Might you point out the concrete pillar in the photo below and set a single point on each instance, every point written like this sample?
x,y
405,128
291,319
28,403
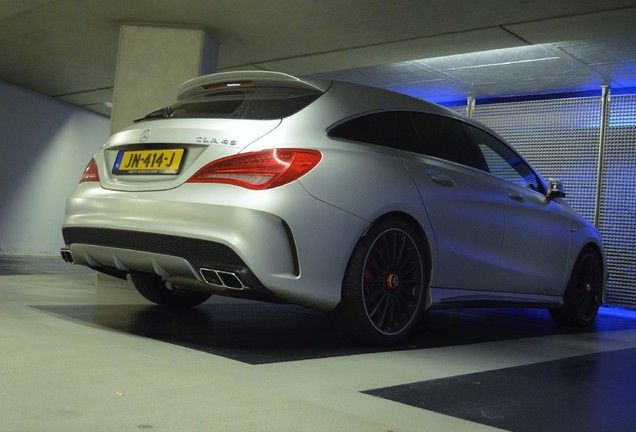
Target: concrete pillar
x,y
151,62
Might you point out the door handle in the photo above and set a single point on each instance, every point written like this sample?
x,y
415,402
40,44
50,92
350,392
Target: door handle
x,y
442,179
515,196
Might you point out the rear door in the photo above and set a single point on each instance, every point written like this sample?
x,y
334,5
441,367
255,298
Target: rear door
x,y
465,205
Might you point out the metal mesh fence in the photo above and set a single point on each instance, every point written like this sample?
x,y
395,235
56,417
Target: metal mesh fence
x,y
617,220
561,138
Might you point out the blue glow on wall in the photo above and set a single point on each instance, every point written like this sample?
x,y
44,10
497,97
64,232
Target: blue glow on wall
x,y
440,95
449,97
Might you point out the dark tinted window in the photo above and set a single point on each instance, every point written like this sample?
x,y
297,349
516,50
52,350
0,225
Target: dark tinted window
x,y
256,103
389,129
377,128
405,136
445,138
503,162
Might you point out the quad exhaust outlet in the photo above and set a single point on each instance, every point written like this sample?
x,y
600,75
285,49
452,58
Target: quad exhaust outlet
x,y
222,278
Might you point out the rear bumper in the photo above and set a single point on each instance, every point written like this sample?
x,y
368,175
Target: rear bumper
x,y
191,249
118,252
281,245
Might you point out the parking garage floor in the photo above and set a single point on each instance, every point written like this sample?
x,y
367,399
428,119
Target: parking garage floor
x,y
82,352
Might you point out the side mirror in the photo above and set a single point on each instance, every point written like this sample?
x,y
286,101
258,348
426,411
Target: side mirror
x,y
555,189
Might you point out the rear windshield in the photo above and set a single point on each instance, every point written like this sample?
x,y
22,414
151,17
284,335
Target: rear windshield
x,y
257,103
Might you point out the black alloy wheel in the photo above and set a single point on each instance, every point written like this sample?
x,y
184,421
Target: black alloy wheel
x,y
384,285
584,293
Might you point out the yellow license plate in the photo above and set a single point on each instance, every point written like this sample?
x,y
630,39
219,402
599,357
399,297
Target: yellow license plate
x,y
158,161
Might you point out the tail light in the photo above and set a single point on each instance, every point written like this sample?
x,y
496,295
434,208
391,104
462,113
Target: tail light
x,y
259,170
90,173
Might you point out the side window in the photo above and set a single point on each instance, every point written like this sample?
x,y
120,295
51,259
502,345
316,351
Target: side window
x,y
377,128
503,162
444,138
405,136
388,129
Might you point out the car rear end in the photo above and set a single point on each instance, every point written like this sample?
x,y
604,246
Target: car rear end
x,y
179,194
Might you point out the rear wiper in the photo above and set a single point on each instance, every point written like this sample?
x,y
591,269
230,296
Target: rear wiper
x,y
165,112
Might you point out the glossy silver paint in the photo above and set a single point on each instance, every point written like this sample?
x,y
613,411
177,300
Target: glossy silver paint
x,y
488,239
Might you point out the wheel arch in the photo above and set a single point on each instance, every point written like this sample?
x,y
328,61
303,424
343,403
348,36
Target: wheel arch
x,y
422,237
598,249
353,315
580,299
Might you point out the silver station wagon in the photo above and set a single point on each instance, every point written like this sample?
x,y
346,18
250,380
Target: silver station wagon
x,y
367,204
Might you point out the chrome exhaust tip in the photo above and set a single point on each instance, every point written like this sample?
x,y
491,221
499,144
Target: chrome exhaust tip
x,y
67,256
221,278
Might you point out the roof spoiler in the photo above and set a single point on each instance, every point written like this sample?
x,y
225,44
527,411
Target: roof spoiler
x,y
225,80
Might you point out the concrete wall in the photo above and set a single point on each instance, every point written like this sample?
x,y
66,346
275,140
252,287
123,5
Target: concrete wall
x,y
151,62
44,147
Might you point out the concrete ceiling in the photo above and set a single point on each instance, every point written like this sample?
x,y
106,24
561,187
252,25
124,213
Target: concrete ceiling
x,y
439,49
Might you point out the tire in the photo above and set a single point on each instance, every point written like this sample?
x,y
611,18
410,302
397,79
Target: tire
x,y
584,293
384,285
165,294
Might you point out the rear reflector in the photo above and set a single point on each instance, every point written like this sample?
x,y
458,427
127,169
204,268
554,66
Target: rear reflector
x,y
259,170
90,173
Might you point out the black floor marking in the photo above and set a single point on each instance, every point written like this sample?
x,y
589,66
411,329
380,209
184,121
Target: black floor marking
x,y
250,332
592,393
258,333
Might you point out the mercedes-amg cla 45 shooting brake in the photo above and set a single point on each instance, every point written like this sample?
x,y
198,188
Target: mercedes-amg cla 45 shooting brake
x,y
367,204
